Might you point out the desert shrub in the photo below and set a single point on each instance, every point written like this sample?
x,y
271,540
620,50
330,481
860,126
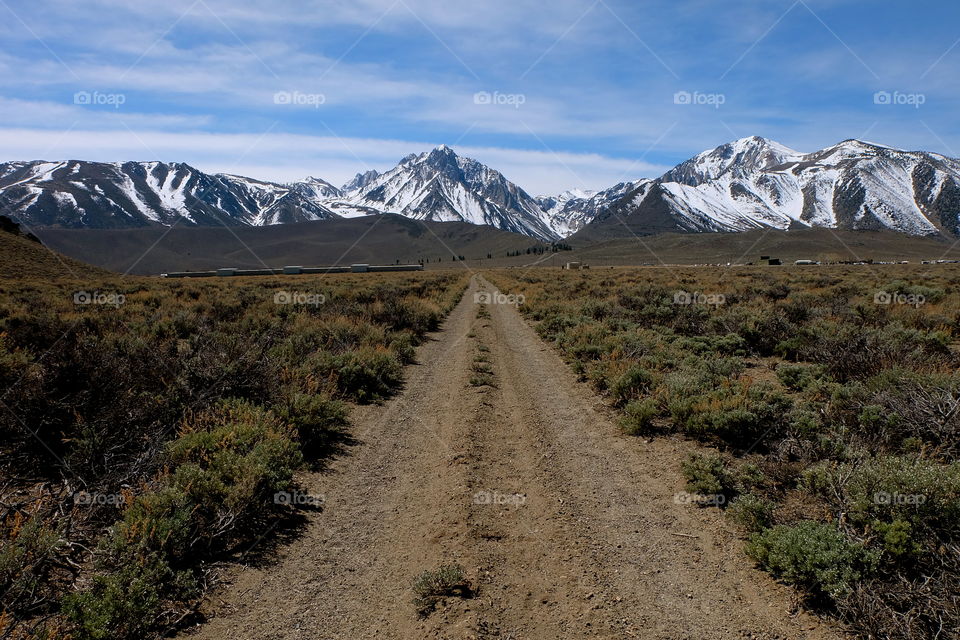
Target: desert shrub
x,y
929,295
730,344
227,466
888,489
482,367
403,345
407,314
601,309
852,352
902,609
482,380
432,586
313,418
814,556
742,415
898,407
766,331
635,382
157,521
231,467
13,363
638,416
798,377
752,512
366,375
554,325
130,602
709,475
26,558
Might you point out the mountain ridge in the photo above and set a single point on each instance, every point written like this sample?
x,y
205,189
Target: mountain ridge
x,y
756,183
751,183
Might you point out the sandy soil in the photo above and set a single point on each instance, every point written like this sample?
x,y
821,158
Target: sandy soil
x,y
566,528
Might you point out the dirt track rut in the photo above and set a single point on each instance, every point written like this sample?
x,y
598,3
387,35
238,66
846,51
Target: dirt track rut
x,y
565,527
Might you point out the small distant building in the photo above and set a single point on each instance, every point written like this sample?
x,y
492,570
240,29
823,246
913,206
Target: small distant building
x,y
227,272
806,262
360,268
774,262
572,265
292,271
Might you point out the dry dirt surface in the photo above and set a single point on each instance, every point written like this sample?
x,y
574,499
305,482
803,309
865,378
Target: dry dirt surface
x,y
565,527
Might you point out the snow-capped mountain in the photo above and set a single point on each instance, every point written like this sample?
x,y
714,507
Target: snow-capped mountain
x,y
441,186
571,210
361,180
756,183
316,189
747,184
133,194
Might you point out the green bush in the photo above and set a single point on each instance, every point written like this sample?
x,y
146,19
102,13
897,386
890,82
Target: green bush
x,y
233,465
900,407
404,346
313,418
897,539
751,512
26,558
367,375
814,556
432,586
227,466
129,602
157,521
632,384
923,493
739,414
638,417
708,475
798,377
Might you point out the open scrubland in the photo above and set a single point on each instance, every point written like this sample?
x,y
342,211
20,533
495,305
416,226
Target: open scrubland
x,y
228,458
828,401
150,429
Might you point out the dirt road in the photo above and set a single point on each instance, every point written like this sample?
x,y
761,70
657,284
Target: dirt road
x,y
565,527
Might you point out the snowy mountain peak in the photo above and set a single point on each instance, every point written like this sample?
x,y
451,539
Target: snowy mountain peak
x,y
573,209
740,185
361,180
737,158
756,183
441,156
441,186
316,187
851,149
137,194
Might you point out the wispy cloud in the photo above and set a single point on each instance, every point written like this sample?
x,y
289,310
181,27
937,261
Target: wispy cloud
x,y
596,80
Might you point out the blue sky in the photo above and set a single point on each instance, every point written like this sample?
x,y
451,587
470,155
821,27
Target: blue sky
x,y
556,95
